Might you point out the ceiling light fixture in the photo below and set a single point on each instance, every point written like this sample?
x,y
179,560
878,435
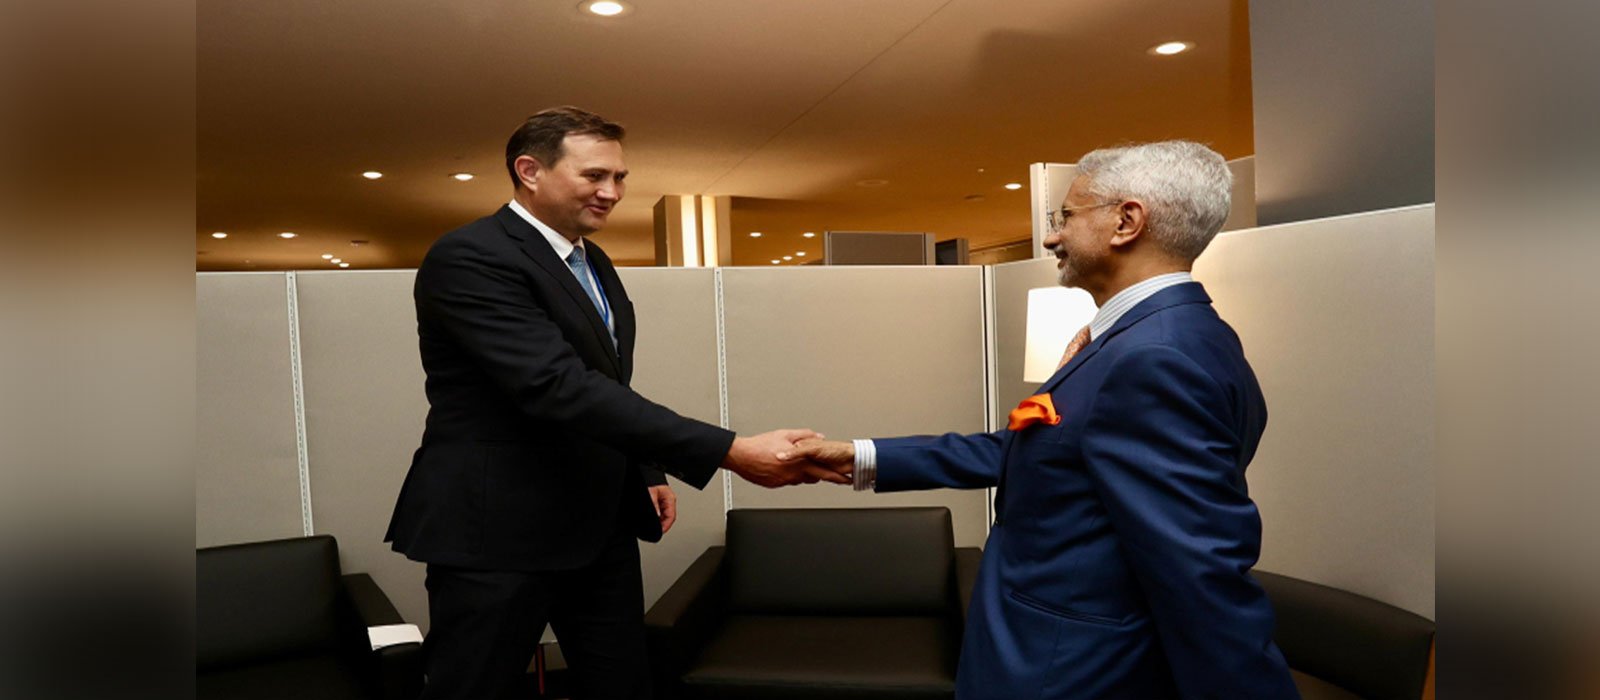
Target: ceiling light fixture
x,y
219,234
775,262
1013,185
1172,48
755,234
809,234
287,234
344,264
461,177
335,261
327,256
605,8
371,174
799,253
788,257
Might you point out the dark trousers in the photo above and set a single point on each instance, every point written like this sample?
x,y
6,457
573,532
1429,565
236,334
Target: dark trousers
x,y
485,626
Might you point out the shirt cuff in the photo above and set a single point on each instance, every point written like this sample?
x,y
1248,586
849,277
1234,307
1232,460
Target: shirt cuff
x,y
866,471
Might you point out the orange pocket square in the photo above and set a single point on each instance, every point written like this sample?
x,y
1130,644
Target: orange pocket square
x,y
1034,409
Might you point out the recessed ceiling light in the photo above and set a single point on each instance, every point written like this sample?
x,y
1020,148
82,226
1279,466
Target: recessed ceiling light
x,y
605,8
755,234
344,264
799,253
287,234
775,262
335,261
461,177
327,256
219,234
788,257
1013,185
809,234
371,174
1172,47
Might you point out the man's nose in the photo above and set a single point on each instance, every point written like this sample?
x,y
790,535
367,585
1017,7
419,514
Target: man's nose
x,y
610,191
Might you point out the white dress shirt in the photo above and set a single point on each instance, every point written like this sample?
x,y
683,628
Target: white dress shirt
x,y
563,248
866,470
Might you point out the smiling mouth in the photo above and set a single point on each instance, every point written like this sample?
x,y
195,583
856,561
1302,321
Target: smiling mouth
x,y
598,209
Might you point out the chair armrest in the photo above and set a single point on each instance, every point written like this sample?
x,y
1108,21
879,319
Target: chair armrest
x,y
1363,645
395,670
370,603
684,618
967,562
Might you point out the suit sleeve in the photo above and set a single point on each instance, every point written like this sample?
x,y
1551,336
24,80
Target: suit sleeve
x,y
1165,460
484,305
652,474
951,460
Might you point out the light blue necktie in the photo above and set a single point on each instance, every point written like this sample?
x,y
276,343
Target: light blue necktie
x,y
580,267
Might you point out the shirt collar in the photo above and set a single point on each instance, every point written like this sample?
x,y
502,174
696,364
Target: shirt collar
x,y
562,246
1126,299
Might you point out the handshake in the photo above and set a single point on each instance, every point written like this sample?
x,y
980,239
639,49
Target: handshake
x,y
788,457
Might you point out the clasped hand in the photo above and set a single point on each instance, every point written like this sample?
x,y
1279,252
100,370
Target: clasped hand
x,y
788,457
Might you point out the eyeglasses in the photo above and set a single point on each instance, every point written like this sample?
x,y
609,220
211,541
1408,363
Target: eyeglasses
x,y
1057,219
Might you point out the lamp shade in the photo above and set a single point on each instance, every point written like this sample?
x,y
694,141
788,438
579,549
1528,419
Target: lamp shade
x,y
1054,315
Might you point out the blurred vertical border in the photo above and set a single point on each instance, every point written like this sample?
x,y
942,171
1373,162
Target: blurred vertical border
x,y
1518,333
97,108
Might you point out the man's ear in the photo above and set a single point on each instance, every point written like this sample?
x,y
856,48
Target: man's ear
x,y
1131,221
528,171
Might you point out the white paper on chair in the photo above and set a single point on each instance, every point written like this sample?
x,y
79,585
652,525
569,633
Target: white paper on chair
x,y
390,635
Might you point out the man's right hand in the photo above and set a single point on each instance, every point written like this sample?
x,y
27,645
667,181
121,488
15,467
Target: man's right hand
x,y
756,459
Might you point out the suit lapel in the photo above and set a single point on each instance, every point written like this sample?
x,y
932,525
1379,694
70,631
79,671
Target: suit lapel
x,y
1176,295
538,249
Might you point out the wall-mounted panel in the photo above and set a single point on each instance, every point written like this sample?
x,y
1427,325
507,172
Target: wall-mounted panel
x,y
365,409
247,473
857,352
1343,106
675,364
1336,316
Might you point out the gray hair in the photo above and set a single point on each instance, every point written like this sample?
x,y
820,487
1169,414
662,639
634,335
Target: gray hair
x,y
1186,188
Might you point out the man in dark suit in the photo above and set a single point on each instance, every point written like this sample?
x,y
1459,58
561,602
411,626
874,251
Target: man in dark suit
x,y
539,467
1119,561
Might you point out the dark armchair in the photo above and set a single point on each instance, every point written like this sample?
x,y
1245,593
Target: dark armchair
x,y
278,620
1343,646
817,603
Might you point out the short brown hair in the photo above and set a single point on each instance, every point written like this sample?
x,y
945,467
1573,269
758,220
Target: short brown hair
x,y
541,135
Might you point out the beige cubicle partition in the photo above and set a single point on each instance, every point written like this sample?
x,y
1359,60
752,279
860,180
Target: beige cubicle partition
x,y
675,364
1009,285
1336,317
247,469
365,408
857,352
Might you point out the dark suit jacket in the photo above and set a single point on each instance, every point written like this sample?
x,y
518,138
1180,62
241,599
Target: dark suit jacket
x,y
533,440
1119,563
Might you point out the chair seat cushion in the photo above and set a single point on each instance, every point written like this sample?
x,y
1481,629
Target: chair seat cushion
x,y
1314,688
323,677
789,657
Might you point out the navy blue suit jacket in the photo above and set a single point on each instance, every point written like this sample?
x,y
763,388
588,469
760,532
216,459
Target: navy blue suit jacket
x,y
1119,563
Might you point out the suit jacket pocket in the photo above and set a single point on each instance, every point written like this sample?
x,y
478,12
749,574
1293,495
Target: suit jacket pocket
x,y
1058,611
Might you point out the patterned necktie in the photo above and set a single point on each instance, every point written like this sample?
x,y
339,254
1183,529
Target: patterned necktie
x,y
1076,344
580,267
